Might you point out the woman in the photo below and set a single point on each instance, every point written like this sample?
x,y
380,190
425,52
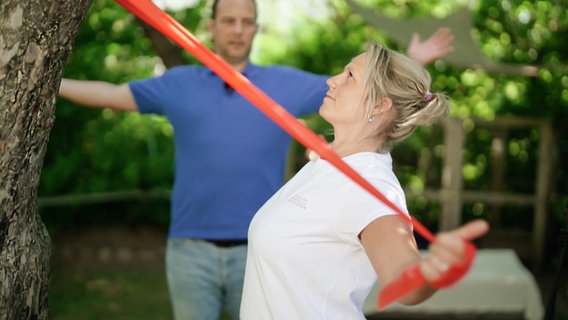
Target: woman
x,y
318,245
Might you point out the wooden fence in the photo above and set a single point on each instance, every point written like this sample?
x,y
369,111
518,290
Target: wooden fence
x,y
451,194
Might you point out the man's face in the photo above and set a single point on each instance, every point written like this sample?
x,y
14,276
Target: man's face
x,y
233,29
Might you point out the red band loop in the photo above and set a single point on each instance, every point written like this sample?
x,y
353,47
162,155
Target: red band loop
x,y
458,270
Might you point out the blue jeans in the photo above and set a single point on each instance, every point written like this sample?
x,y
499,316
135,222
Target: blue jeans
x,y
203,279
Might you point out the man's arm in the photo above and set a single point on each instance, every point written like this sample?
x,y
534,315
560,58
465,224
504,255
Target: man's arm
x,y
98,94
437,46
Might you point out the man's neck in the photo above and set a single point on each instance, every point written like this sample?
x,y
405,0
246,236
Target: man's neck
x,y
240,66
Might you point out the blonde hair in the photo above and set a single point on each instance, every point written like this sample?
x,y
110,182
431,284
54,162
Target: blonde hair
x,y
393,75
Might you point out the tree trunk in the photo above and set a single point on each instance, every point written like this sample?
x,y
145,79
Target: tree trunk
x,y
170,52
36,37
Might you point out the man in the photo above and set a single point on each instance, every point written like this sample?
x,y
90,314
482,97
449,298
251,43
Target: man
x,y
229,158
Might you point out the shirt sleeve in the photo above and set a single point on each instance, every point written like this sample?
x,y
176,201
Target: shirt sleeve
x,y
151,94
307,88
362,207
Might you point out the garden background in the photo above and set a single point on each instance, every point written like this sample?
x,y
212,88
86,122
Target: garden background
x,y
106,178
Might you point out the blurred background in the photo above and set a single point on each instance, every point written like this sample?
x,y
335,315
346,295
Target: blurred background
x,y
107,175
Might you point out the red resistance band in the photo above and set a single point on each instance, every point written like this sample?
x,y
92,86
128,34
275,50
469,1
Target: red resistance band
x,y
159,20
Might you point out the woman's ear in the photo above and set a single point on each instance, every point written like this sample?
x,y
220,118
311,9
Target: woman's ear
x,y
383,106
386,104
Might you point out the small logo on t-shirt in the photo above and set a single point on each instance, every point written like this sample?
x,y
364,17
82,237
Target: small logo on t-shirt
x,y
298,201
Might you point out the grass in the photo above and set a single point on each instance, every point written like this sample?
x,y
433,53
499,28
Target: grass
x,y
90,290
116,295
108,295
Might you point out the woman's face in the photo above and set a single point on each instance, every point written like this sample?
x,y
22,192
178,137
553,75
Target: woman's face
x,y
345,100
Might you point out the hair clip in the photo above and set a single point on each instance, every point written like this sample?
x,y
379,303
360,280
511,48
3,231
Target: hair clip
x,y
428,96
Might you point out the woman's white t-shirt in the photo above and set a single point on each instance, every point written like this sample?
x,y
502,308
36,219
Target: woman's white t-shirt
x,y
305,260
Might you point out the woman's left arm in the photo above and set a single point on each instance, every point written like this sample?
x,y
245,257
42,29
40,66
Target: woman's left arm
x,y
391,248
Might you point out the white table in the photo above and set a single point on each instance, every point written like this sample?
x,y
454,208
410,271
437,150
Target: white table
x,y
498,283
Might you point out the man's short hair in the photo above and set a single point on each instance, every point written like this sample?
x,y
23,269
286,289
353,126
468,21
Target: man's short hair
x,y
216,2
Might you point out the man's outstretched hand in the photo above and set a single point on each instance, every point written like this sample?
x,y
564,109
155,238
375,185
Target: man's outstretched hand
x,y
437,46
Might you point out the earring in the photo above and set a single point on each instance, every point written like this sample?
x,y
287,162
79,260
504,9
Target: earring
x,y
370,120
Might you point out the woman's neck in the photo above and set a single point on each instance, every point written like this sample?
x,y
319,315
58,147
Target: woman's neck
x,y
355,139
346,148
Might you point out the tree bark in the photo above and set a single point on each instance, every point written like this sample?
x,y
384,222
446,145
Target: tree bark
x,y
36,38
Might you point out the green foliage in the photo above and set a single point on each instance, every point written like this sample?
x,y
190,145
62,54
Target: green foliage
x,y
94,151
413,8
529,33
104,151
533,33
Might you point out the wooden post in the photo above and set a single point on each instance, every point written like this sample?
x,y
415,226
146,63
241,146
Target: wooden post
x,y
452,182
542,190
498,149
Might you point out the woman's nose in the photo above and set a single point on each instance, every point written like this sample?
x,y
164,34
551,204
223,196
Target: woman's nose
x,y
337,79
331,82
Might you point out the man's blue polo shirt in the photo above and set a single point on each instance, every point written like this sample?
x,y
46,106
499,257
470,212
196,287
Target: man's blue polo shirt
x,y
229,157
